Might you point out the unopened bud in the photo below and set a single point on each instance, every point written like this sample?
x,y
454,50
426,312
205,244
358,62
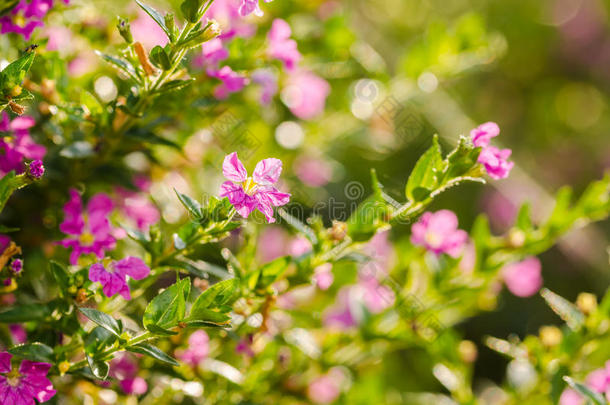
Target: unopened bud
x,y
467,351
16,91
149,69
338,230
586,302
550,336
36,169
516,238
81,296
125,30
212,29
63,367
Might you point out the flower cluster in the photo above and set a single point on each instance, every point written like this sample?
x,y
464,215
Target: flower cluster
x,y
495,160
17,145
25,17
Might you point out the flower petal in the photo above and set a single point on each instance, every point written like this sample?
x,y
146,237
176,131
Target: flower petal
x,y
134,267
5,362
233,169
267,171
233,192
73,221
276,197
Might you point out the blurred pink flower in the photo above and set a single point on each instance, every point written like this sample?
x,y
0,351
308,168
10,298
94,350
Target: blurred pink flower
x,y
268,81
299,246
599,380
496,162
523,278
281,47
339,315
18,333
256,192
198,349
59,38
212,52
250,6
232,82
312,171
244,346
145,30
306,94
272,243
90,231
323,276
125,370
482,134
438,232
138,208
17,144
226,12
324,389
113,274
571,397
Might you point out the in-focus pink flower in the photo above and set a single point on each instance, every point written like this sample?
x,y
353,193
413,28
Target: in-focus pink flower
x,y
256,192
305,95
23,386
281,47
496,162
324,389
124,369
18,333
232,82
113,274
198,349
323,276
18,145
482,134
90,231
523,278
36,169
438,232
250,6
268,81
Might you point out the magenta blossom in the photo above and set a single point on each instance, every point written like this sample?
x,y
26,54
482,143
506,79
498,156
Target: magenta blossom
x,y
495,160
23,386
250,6
232,82
323,276
25,17
523,278
113,274
305,95
212,52
18,145
138,208
256,192
226,12
438,232
244,346
90,231
125,370
281,47
18,333
198,349
36,169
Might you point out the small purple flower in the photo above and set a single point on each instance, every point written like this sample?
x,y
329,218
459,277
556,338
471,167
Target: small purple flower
x,y
305,95
250,6
523,278
244,346
482,134
198,349
18,333
138,208
113,274
438,232
125,370
23,386
232,82
281,47
90,230
256,192
17,266
25,17
496,162
268,81
213,51
18,146
36,168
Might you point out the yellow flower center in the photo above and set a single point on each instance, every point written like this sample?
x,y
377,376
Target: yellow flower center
x,y
433,239
250,186
106,262
13,378
19,20
87,238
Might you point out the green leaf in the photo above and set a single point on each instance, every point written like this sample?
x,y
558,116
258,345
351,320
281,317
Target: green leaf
x,y
104,320
175,85
425,176
152,138
61,275
159,58
15,72
25,313
564,308
191,205
169,307
190,10
462,160
91,102
99,368
8,185
271,271
214,297
154,352
524,218
34,352
120,64
585,391
7,5
97,340
155,15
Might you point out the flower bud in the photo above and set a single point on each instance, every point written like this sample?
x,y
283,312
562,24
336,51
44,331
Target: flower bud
x,y
586,302
149,69
338,230
550,336
125,30
516,238
63,367
36,169
467,351
212,30
16,91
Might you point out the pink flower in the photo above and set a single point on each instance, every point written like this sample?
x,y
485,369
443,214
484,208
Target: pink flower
x,y
36,168
482,134
268,82
495,162
599,380
23,386
212,52
523,278
226,12
138,208
90,230
18,145
256,192
299,246
313,172
340,314
147,31
244,346
198,349
438,232
375,296
324,389
25,17
232,82
18,333
250,6
281,47
323,276
570,397
125,370
306,94
113,274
